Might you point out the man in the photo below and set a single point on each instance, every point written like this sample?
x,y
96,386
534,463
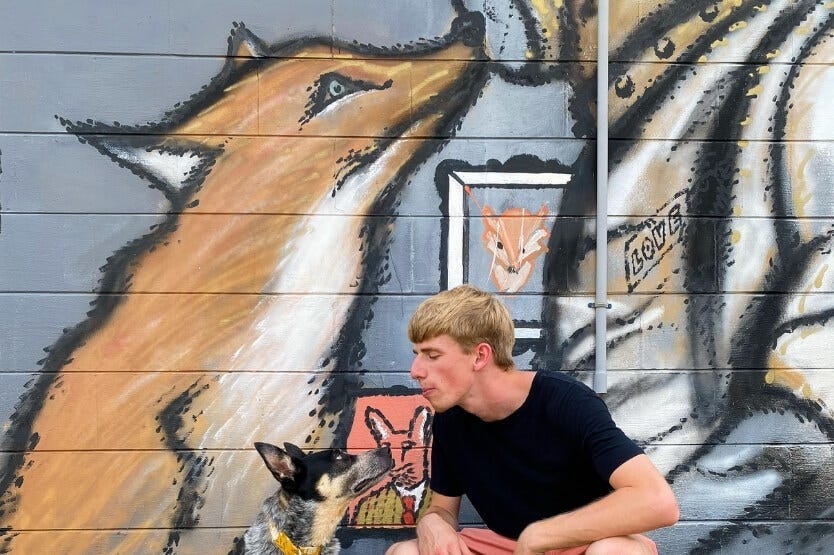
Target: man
x,y
537,453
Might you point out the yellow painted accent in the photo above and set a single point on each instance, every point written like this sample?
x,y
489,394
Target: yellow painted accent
x,y
816,285
755,90
801,195
746,121
745,172
547,13
719,42
736,210
763,69
742,144
820,276
736,237
773,53
760,8
702,59
738,25
792,379
803,30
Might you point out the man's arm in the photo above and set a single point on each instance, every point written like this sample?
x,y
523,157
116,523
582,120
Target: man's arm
x,y
641,501
437,529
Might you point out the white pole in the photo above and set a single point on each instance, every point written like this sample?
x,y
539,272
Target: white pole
x,y
601,295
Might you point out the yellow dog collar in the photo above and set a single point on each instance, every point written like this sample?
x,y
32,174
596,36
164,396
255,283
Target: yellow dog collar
x,y
283,542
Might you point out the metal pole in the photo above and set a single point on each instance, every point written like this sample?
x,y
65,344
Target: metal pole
x,y
601,295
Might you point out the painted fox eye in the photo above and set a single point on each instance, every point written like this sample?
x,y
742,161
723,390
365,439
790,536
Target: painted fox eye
x,y
336,89
500,245
331,87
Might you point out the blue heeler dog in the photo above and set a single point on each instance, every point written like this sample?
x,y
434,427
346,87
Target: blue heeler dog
x,y
316,490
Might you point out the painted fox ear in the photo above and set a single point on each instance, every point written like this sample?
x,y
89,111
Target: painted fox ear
x,y
243,43
278,462
422,425
379,426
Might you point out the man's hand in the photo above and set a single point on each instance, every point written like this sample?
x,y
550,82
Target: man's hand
x,y
436,537
523,545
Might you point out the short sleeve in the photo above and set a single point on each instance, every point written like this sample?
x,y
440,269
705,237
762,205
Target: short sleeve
x,y
585,417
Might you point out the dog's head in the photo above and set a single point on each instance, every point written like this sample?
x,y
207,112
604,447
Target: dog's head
x,y
327,474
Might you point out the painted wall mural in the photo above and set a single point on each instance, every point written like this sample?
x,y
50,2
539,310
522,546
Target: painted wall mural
x,y
217,238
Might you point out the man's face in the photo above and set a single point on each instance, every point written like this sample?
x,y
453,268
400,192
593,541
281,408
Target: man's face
x,y
444,371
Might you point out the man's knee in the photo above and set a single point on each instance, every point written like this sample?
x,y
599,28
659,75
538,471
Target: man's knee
x,y
403,548
622,545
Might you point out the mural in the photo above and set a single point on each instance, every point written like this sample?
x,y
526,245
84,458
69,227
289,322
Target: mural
x,y
313,190
403,423
217,319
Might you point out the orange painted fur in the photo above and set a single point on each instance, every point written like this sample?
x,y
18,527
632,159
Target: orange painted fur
x,y
220,342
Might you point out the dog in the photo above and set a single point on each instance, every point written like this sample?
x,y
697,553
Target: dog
x,y
316,490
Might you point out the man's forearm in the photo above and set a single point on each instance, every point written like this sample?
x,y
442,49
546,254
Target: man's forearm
x,y
434,512
621,513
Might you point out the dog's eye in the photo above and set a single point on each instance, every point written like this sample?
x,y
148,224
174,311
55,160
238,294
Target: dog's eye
x,y
339,455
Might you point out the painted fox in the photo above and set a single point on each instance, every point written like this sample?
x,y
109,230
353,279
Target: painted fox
x,y
141,417
515,239
406,492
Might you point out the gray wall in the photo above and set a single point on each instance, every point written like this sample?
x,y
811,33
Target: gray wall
x,y
202,246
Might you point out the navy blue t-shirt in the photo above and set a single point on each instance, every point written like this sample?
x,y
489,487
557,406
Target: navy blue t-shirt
x,y
552,455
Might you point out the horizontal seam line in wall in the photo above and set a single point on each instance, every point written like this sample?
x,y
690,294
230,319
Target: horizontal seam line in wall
x,y
14,530
415,57
412,294
444,137
404,370
196,213
459,137
786,522
648,372
146,133
243,449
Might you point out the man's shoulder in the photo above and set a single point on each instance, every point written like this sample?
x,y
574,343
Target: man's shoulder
x,y
555,380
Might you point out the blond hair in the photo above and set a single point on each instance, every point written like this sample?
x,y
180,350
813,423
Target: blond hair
x,y
469,316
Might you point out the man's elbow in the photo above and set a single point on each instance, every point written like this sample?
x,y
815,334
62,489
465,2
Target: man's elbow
x,y
666,507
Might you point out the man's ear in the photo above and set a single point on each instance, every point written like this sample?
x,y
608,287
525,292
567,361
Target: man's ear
x,y
483,355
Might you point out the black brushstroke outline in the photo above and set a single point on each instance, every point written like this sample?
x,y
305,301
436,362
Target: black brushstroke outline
x,y
348,349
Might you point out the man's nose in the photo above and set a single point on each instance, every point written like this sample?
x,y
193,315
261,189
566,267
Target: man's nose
x,y
417,371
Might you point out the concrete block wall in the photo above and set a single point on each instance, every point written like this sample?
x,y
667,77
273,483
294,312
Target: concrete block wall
x,y
216,219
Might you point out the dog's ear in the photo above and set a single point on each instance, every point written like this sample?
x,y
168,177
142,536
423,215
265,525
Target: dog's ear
x,y
293,451
281,464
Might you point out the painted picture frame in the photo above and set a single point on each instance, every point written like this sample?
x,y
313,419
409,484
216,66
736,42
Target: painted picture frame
x,y
495,226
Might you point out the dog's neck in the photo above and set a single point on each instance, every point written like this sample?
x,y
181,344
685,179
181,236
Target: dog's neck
x,y
286,546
